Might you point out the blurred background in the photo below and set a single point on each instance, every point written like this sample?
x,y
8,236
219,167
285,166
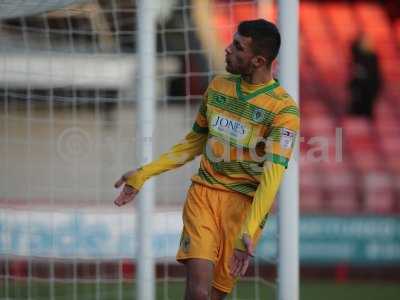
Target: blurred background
x,y
68,124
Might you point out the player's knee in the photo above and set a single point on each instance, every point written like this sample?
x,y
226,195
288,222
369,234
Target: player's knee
x,y
198,292
198,280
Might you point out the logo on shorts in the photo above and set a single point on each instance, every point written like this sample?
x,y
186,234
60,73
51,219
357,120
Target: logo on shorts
x,y
185,243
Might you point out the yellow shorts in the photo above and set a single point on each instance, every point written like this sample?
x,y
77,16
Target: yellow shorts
x,y
212,219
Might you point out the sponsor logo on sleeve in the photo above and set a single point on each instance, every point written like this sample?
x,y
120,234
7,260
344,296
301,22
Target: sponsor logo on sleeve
x,y
287,138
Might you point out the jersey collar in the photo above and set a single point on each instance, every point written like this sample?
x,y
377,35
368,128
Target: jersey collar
x,y
264,89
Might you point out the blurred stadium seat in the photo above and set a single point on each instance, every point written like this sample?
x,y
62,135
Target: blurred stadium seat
x,y
366,179
312,200
378,193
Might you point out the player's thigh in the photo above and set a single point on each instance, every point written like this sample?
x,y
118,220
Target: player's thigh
x,y
235,210
201,233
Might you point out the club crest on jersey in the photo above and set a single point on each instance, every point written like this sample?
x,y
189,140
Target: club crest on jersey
x,y
258,115
287,138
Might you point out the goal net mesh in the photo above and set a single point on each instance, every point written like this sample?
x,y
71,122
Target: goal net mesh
x,y
68,104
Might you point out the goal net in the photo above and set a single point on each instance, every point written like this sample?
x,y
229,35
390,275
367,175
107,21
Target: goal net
x,y
68,118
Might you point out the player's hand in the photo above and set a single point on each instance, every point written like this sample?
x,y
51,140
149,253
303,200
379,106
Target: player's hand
x,y
241,259
128,192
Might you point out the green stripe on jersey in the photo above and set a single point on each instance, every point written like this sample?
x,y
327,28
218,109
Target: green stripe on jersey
x,y
236,167
206,176
248,96
231,78
243,188
290,110
264,221
198,129
278,159
242,109
203,109
275,134
231,141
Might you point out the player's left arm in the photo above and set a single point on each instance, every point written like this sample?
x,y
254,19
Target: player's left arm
x,y
279,147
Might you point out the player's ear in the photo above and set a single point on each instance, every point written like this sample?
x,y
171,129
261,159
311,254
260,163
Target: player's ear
x,y
259,60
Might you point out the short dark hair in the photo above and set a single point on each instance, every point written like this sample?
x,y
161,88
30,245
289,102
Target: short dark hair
x,y
266,39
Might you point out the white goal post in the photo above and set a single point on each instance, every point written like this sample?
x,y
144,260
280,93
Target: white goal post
x,y
288,208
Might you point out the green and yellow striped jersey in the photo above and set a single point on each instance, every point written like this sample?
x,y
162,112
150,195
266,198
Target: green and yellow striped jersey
x,y
245,134
246,126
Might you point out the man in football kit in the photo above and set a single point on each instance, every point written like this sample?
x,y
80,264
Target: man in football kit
x,y
244,131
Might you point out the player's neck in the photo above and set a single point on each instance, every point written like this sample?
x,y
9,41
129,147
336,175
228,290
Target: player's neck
x,y
258,77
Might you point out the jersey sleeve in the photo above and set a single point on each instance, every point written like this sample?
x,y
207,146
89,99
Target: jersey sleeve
x,y
200,124
282,135
280,143
186,150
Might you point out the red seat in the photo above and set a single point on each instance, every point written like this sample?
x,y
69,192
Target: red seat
x,y
343,203
368,161
311,196
341,191
393,164
373,18
370,147
391,145
385,118
397,30
311,201
319,126
396,187
378,193
341,16
356,126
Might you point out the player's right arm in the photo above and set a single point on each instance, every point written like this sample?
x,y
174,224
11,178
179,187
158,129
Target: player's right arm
x,y
186,150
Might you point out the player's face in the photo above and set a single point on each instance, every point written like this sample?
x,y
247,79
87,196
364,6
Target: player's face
x,y
238,55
